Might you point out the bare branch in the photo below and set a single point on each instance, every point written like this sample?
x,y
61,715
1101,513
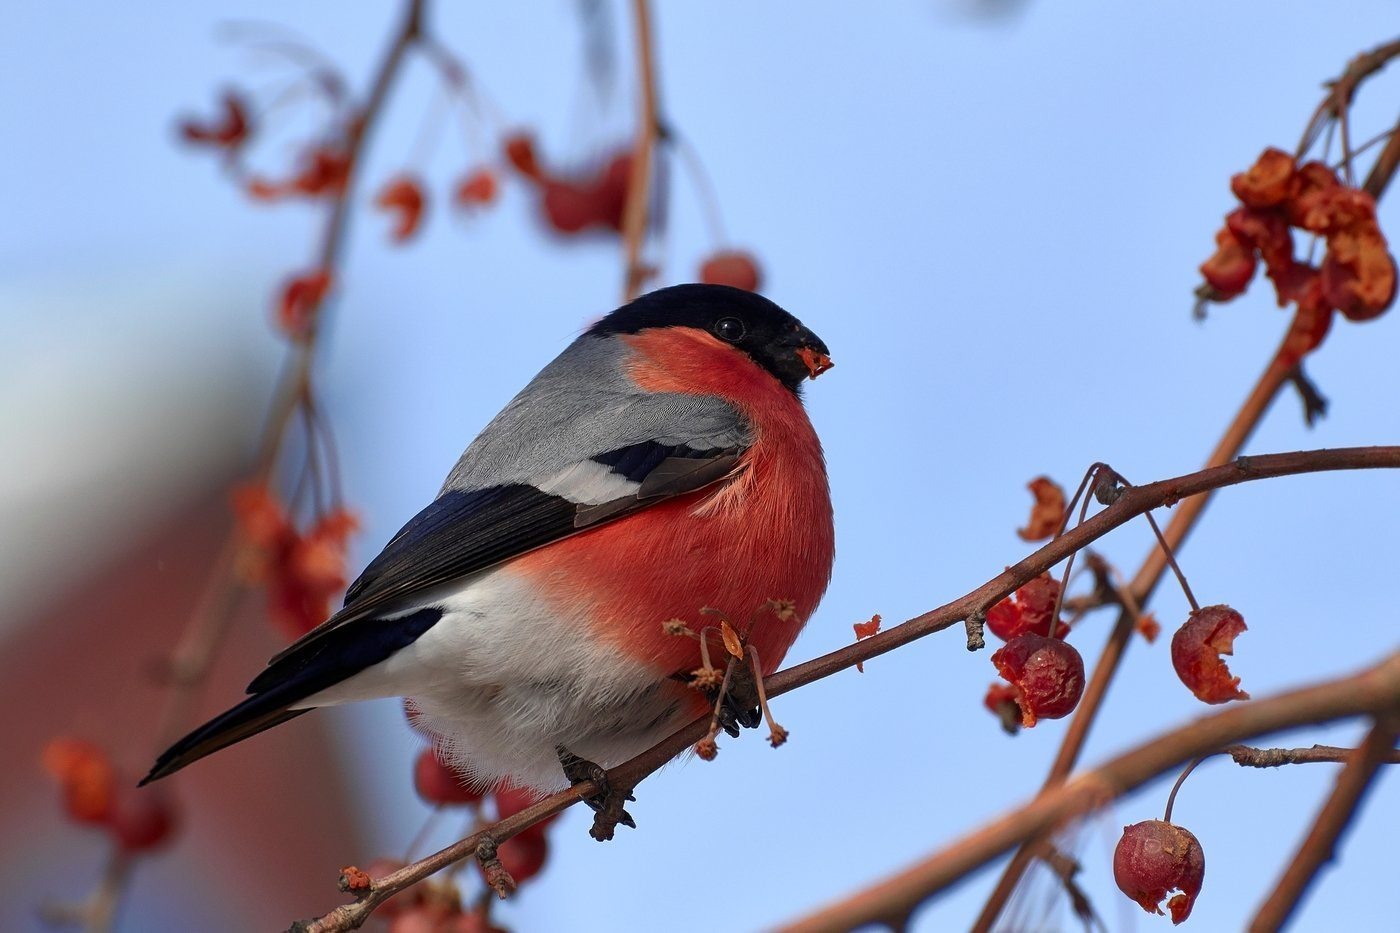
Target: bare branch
x,y
1320,845
1373,691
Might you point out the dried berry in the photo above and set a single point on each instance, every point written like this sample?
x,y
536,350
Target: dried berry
x,y
1152,860
1027,610
1268,182
520,153
1311,185
300,300
439,784
1048,511
227,131
403,198
731,267
1048,675
477,189
1208,633
1004,701
1231,267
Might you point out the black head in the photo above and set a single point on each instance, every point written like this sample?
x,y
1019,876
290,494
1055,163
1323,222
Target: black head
x,y
774,339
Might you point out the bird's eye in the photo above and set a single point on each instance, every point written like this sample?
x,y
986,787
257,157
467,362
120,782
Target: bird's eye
x,y
729,328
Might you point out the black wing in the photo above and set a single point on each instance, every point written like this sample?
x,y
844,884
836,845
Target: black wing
x,y
463,532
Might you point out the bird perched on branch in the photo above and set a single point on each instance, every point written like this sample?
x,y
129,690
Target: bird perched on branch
x,y
661,464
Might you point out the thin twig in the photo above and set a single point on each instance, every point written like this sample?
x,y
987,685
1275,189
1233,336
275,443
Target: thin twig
x,y
635,216
1319,847
1249,757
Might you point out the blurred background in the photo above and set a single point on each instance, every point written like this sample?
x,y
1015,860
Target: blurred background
x,y
992,213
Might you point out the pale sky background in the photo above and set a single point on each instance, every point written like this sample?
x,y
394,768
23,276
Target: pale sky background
x,y
993,223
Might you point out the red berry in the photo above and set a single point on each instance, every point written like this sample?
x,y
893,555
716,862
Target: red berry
x,y
477,189
1196,649
141,820
440,785
1155,858
567,207
731,267
403,197
1027,611
1230,268
520,153
1048,675
85,777
1268,182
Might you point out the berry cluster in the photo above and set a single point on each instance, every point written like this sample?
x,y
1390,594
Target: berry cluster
x,y
301,570
95,793
1357,275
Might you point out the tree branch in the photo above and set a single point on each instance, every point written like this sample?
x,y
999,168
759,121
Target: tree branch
x,y
1134,501
1319,846
1375,691
1249,757
635,217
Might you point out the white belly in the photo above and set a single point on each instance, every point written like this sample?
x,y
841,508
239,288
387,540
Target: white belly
x,y
503,679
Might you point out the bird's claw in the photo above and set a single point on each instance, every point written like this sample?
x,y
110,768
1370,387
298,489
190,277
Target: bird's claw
x,y
607,803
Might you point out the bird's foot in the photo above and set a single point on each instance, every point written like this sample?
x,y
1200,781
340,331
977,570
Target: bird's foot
x,y
607,802
739,707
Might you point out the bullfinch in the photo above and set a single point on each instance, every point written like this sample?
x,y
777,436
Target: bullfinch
x,y
661,464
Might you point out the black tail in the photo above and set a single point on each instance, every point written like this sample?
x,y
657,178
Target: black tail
x,y
325,662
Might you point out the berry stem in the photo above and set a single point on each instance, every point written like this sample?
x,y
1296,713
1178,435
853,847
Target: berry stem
x,y
1181,779
1171,561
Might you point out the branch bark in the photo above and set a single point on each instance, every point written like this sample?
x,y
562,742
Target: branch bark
x,y
1320,845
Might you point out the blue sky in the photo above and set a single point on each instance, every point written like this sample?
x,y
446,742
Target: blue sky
x,y
994,224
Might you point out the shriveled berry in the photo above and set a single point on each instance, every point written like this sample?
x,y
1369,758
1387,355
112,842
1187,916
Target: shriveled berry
x,y
1027,610
405,199
1208,633
1268,182
1231,267
731,267
141,819
1048,675
439,784
1004,702
1153,859
520,153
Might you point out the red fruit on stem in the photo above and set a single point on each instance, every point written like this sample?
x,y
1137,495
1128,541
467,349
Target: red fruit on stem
x,y
403,198
1048,675
1048,511
1027,610
476,189
731,267
1231,267
1207,634
438,784
1311,182
1004,701
142,819
228,131
1153,859
520,153
1268,182
301,299
567,207
85,776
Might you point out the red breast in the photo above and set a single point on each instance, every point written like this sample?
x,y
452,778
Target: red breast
x,y
767,534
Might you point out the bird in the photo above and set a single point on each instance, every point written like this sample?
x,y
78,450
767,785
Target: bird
x,y
661,465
